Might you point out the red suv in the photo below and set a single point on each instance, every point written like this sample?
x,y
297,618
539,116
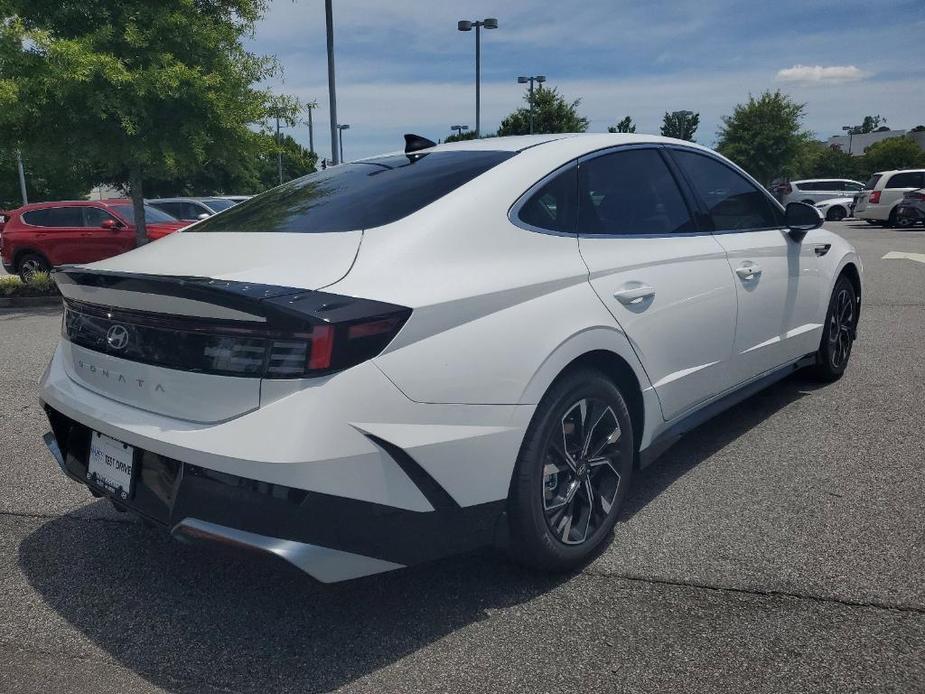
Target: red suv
x,y
35,238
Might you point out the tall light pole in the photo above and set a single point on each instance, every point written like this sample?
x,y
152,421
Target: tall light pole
x,y
459,129
279,152
340,132
22,178
539,79
332,92
466,25
850,130
311,129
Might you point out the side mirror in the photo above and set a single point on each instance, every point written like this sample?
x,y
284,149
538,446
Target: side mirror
x,y
802,218
110,224
204,215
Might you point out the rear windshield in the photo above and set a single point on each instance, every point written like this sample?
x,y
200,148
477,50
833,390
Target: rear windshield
x,y
871,182
152,214
359,195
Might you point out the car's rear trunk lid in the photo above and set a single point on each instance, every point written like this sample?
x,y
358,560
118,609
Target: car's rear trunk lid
x,y
189,328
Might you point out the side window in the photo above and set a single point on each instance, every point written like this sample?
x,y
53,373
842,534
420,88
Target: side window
x,y
852,187
36,218
630,192
732,201
192,211
907,179
553,207
94,216
171,208
55,217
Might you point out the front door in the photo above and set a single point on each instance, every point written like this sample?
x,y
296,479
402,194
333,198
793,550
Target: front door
x,y
667,284
776,276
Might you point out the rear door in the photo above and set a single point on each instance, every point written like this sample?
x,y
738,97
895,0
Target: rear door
x,y
62,233
777,278
667,284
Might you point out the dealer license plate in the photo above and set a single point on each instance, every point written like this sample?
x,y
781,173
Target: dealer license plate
x,y
111,465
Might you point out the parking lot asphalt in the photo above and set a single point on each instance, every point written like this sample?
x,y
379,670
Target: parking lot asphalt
x,y
779,548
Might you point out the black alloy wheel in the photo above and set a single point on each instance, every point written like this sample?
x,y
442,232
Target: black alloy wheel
x,y
572,474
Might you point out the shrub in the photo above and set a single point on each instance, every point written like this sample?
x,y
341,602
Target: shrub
x,y
40,284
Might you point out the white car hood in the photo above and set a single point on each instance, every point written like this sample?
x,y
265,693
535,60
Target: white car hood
x,y
305,261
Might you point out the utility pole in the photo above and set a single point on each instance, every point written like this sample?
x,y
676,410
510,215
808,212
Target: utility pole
x,y
279,152
332,95
22,178
311,130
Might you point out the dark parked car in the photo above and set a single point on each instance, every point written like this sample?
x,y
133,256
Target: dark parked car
x,y
911,210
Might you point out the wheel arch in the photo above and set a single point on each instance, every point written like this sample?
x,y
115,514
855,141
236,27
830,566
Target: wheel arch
x,y
850,270
20,252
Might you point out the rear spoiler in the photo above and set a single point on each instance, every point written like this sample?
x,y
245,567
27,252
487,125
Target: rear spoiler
x,y
285,309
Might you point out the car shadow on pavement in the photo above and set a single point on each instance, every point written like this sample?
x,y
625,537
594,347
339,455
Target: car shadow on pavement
x,y
188,618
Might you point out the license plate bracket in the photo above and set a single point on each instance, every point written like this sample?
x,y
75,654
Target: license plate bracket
x,y
111,466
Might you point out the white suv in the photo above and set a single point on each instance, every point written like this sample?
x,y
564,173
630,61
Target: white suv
x,y
883,192
815,190
425,352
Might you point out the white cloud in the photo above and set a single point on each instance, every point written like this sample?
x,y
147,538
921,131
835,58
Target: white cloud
x,y
817,74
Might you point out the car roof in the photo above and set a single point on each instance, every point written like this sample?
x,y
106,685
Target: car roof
x,y
107,202
893,171
572,144
822,180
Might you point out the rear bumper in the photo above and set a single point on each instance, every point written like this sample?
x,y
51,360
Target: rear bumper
x,y
330,537
879,212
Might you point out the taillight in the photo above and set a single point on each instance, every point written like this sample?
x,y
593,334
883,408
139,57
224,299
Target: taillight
x,y
304,336
874,197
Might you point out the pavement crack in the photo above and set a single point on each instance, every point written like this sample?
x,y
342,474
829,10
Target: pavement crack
x,y
895,607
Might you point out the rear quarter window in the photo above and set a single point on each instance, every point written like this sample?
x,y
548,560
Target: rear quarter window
x,y
359,195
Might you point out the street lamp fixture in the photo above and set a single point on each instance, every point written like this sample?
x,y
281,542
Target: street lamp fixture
x,y
459,129
467,25
539,79
340,135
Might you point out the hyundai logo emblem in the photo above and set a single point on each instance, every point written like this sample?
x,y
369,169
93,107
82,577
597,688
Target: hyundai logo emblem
x,y
117,337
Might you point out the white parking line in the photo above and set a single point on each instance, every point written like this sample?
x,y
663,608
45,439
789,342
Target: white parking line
x,y
918,257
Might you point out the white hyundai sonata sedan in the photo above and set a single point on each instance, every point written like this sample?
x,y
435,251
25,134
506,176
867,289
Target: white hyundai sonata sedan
x,y
444,348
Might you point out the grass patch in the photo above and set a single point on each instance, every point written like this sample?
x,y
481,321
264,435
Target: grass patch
x,y
39,284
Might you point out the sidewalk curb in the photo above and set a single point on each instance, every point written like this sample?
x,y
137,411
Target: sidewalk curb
x,y
29,301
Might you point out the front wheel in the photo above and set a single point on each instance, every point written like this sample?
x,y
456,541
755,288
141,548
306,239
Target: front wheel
x,y
572,474
838,335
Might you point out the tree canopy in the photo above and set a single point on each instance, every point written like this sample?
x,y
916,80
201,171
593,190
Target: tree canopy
x,y
893,153
680,124
868,125
764,136
551,114
136,89
626,125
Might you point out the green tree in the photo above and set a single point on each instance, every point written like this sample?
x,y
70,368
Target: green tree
x,y
764,135
680,124
138,89
459,137
868,125
624,126
893,153
817,160
50,175
551,114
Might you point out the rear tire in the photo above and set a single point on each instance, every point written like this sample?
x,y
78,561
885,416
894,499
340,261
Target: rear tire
x,y
30,263
838,334
572,474
891,221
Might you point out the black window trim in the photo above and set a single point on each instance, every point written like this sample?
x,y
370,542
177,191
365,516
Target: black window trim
x,y
694,207
702,205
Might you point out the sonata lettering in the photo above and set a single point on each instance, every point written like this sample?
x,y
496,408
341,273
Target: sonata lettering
x,y
117,377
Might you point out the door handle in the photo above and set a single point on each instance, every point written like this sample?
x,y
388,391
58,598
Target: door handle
x,y
822,248
750,271
633,296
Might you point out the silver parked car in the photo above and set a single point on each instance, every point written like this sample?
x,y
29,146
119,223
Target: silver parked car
x,y
192,209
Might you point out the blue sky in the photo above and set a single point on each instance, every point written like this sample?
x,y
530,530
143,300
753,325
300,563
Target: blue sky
x,y
403,67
